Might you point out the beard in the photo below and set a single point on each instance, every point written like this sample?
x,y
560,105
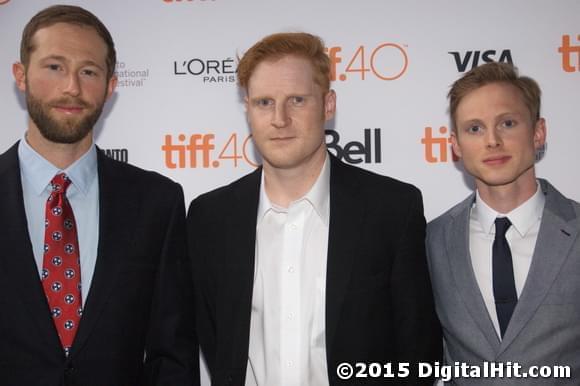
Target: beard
x,y
68,130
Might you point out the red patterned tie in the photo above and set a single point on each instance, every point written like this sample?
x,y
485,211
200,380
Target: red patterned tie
x,y
61,275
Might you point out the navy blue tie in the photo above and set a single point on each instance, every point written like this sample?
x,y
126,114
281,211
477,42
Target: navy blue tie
x,y
504,287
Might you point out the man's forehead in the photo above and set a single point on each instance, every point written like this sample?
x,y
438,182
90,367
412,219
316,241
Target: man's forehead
x,y
57,40
288,72
61,33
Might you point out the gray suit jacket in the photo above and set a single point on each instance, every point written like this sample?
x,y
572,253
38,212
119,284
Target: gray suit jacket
x,y
545,327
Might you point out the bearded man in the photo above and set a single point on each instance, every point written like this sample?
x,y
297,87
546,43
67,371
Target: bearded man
x,y
91,281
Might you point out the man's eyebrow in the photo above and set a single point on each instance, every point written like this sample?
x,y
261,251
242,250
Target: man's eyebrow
x,y
61,58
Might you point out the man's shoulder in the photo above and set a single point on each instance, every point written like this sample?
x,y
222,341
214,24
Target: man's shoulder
x,y
556,202
243,186
455,211
9,158
369,180
125,174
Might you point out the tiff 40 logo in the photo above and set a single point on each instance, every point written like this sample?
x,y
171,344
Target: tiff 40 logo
x,y
386,61
198,150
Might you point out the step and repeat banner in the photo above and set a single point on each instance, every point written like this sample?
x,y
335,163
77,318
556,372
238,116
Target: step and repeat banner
x,y
178,110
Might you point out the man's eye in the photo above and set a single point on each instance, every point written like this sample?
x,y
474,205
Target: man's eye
x,y
264,102
89,72
298,100
53,66
508,123
474,129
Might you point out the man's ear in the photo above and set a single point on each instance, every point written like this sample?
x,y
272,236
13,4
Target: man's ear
x,y
329,105
455,144
111,86
540,133
19,72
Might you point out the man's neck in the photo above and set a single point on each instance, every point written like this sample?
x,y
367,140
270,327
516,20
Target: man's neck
x,y
505,198
61,155
283,186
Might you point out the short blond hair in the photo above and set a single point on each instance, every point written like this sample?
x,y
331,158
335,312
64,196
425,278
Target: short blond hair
x,y
495,73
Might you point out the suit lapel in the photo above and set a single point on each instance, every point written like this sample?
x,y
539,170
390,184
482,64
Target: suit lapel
x,y
234,302
555,238
457,244
347,211
18,264
118,213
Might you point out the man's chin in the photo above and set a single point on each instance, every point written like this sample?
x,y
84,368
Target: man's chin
x,y
65,136
497,181
68,130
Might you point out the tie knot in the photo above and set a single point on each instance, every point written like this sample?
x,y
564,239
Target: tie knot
x,y
502,224
60,183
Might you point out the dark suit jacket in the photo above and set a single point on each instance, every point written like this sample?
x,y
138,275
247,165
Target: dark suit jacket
x,y
379,305
136,303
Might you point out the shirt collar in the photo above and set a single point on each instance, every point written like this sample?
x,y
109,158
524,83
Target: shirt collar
x,y
39,172
318,196
522,218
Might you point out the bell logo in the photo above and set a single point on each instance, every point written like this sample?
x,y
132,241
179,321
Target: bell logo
x,y
471,59
437,145
567,50
349,152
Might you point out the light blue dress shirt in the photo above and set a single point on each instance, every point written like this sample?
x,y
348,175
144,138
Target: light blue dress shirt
x,y
83,194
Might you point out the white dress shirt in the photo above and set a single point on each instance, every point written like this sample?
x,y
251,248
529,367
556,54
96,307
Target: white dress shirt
x,y
521,237
287,331
83,194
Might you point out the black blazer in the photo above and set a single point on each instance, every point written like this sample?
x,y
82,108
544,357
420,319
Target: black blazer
x,y
137,327
379,304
